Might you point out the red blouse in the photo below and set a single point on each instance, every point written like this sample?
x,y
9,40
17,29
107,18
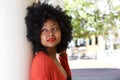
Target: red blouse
x,y
44,68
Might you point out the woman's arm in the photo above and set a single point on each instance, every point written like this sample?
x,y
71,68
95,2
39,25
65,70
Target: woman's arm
x,y
64,62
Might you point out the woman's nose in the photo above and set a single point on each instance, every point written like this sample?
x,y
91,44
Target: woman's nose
x,y
50,33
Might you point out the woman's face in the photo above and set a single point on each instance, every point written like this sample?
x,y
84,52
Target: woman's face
x,y
50,34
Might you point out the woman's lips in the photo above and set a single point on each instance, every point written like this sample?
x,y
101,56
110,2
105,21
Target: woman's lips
x,y
51,39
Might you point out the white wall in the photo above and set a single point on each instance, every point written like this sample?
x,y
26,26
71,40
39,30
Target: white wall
x,y
15,50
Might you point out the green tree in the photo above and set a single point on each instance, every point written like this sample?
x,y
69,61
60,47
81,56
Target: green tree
x,y
87,18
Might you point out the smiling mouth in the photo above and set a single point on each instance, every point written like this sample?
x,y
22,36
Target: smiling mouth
x,y
51,39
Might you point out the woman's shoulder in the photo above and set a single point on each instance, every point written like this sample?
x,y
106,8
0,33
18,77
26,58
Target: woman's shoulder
x,y
41,65
41,54
41,57
41,60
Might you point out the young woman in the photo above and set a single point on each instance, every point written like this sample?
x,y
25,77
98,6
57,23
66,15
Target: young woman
x,y
50,30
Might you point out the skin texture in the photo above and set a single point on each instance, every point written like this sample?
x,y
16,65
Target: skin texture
x,y
50,34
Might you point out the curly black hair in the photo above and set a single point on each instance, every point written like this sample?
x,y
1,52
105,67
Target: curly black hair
x,y
37,15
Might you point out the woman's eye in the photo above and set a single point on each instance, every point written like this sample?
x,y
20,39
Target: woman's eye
x,y
55,29
44,30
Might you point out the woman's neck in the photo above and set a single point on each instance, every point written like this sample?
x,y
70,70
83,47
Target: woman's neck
x,y
52,52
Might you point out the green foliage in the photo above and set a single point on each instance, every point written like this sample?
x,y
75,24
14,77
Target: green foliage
x,y
87,18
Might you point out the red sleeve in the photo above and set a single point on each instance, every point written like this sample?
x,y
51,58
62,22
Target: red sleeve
x,y
64,63
40,68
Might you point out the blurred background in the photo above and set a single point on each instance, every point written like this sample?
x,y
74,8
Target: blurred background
x,y
94,52
96,30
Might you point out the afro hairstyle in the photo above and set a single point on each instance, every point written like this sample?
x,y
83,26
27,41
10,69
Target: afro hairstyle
x,y
37,15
